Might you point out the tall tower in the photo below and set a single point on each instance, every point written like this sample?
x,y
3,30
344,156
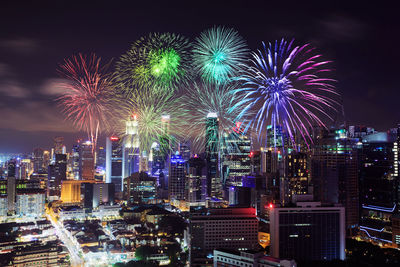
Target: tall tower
x,y
114,163
38,160
86,161
212,155
130,157
58,145
176,181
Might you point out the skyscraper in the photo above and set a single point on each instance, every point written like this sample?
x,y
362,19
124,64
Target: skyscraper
x,y
378,185
86,161
176,181
334,172
235,157
38,163
114,162
308,232
58,145
131,153
196,179
212,156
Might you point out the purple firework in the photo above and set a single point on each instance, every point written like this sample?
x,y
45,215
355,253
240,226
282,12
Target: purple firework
x,y
286,86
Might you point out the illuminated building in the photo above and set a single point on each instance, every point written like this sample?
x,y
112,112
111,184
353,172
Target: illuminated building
x,y
98,194
131,153
71,191
236,157
12,168
86,161
36,255
38,160
196,180
57,172
297,173
308,232
228,228
58,145
223,257
212,156
140,188
176,180
101,158
30,202
46,159
379,186
334,172
114,162
75,161
239,195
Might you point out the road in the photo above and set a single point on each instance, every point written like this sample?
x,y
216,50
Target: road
x,y
64,236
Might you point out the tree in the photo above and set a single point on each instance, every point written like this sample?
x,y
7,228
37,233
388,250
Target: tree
x,y
143,252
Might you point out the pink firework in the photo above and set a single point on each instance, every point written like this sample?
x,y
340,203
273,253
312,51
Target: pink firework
x,y
87,94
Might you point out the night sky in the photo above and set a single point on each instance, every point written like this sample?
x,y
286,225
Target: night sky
x,y
361,39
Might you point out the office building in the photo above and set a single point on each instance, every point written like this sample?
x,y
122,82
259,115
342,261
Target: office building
x,y
177,177
307,232
71,191
378,185
86,161
297,164
224,257
228,228
214,184
58,145
96,194
140,188
30,202
38,160
196,180
114,162
334,172
131,153
236,162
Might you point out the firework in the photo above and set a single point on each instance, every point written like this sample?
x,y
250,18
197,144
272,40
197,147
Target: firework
x,y
286,86
155,112
218,54
88,95
207,101
158,60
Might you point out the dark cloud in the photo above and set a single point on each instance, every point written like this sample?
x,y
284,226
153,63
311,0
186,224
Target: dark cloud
x,y
19,45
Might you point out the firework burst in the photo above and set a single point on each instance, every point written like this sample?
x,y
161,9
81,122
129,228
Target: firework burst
x,y
218,54
155,112
205,101
159,60
88,94
286,86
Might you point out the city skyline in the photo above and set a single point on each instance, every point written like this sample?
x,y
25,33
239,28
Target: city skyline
x,y
30,56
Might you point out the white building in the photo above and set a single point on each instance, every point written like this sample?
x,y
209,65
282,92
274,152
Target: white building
x,y
248,259
30,203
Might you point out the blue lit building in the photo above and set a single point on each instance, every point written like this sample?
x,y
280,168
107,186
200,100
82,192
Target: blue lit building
x,y
177,177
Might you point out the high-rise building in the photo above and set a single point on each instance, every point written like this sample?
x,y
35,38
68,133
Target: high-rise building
x,y
75,161
176,181
140,188
297,173
58,145
38,160
101,158
228,228
131,153
231,258
235,149
214,185
378,186
307,232
12,168
57,173
334,172
86,161
196,180
96,194
30,202
114,162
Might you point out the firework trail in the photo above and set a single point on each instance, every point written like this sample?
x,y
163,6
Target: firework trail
x,y
218,54
286,86
88,95
159,60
